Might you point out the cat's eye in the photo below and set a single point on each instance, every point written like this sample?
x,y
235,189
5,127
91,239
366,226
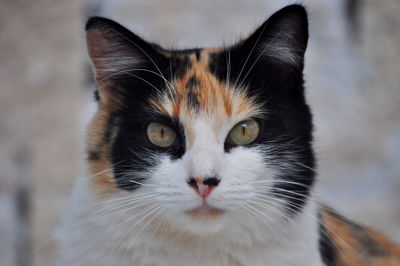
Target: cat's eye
x,y
245,132
160,135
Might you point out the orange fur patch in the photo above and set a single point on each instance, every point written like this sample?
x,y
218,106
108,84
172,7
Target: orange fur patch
x,y
102,179
358,246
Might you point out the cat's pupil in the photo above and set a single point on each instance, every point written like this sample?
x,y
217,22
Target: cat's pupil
x,y
244,130
162,132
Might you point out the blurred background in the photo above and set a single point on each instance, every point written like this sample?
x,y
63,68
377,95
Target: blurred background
x,y
352,79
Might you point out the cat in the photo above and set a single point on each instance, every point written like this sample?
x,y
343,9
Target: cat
x,y
204,157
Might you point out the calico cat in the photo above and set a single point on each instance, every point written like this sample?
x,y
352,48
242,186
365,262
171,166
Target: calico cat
x,y
204,157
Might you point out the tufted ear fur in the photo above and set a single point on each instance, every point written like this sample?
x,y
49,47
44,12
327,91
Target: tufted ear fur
x,y
281,39
118,54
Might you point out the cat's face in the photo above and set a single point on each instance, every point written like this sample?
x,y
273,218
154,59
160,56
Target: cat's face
x,y
205,137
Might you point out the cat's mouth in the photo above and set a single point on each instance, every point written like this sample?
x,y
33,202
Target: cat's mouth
x,y
205,212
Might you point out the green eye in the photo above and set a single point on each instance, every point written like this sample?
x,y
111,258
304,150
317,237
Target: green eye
x,y
160,134
245,132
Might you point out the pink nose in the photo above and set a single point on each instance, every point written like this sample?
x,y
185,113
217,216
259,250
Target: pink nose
x,y
203,187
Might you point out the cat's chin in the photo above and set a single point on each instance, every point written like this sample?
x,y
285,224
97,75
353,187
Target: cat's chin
x,y
204,219
205,213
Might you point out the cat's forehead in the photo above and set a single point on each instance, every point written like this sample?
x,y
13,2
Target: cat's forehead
x,y
197,92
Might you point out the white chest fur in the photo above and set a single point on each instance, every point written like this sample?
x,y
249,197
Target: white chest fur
x,y
87,239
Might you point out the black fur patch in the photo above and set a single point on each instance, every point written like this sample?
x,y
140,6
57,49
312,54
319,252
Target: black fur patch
x,y
109,128
131,149
96,95
178,65
326,246
286,132
133,152
93,155
192,100
198,55
192,83
372,247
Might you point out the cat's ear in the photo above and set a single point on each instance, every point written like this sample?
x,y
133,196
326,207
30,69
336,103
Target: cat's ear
x,y
117,53
282,38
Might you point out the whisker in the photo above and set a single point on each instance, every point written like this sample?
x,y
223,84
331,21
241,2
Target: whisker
x,y
257,214
118,199
288,191
280,182
98,214
148,212
139,183
270,208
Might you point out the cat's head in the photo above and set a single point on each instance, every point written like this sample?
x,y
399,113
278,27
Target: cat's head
x,y
203,137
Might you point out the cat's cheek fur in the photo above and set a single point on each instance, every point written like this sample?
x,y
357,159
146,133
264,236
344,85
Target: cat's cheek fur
x,y
242,169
